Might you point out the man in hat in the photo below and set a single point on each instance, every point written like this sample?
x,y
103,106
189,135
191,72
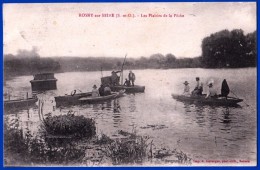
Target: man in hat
x,y
131,77
95,92
198,88
186,91
115,78
127,82
212,93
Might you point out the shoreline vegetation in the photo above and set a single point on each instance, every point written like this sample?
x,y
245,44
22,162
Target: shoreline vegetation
x,y
223,49
84,148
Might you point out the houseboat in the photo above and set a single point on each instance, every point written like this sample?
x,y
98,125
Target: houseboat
x,y
44,81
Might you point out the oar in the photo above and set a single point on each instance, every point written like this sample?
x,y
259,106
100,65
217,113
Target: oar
x,y
238,97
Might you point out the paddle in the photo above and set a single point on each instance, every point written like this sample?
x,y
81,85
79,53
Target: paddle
x,y
238,97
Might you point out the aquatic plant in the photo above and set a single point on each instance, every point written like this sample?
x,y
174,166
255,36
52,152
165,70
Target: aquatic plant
x,y
69,125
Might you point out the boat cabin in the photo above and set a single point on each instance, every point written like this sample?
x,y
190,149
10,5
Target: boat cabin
x,y
106,80
43,81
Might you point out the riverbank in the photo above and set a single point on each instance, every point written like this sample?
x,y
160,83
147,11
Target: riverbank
x,y
131,149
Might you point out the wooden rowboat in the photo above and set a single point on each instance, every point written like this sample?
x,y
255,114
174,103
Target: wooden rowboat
x,y
70,99
9,104
84,98
90,99
229,101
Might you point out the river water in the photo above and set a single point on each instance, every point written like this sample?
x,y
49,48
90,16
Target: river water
x,y
204,133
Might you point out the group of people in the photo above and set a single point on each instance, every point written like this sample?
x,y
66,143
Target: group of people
x,y
128,82
199,89
103,90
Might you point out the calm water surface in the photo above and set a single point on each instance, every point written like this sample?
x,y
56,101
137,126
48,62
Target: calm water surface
x,y
203,132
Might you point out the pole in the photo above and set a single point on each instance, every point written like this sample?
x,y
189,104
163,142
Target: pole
x,y
122,68
101,72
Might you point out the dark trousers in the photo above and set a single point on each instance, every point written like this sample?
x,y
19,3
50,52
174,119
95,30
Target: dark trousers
x,y
132,82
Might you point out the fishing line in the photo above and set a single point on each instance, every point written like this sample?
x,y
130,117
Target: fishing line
x,y
238,97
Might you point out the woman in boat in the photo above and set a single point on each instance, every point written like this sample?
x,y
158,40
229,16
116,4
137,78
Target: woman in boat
x,y
186,91
95,92
224,89
212,93
198,88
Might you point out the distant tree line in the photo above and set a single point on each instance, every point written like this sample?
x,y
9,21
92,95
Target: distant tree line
x,y
28,62
229,49
222,49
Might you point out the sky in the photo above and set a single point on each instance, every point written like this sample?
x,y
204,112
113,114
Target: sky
x,y
58,29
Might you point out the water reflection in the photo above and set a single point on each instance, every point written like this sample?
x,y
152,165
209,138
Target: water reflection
x,y
132,104
117,119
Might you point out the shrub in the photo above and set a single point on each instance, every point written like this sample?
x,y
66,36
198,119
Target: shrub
x,y
70,125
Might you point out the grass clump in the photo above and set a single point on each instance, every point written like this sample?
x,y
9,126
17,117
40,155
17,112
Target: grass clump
x,y
69,125
130,150
28,150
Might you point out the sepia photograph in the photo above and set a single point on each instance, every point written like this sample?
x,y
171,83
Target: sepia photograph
x,y
165,84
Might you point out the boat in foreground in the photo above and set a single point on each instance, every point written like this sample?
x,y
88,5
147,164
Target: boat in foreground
x,y
9,104
80,98
90,99
229,101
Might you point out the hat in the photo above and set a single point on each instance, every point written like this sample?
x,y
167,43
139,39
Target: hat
x,y
185,83
197,78
210,84
94,86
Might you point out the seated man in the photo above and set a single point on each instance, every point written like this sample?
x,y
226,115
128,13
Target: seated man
x,y
101,90
198,88
186,91
212,93
127,83
95,92
107,90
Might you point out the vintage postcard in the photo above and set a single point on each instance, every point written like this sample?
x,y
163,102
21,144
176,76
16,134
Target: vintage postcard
x,y
130,84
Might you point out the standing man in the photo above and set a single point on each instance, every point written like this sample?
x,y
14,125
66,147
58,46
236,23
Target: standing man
x,y
115,78
131,77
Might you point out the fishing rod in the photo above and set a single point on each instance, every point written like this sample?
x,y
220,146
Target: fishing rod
x,y
122,70
238,97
